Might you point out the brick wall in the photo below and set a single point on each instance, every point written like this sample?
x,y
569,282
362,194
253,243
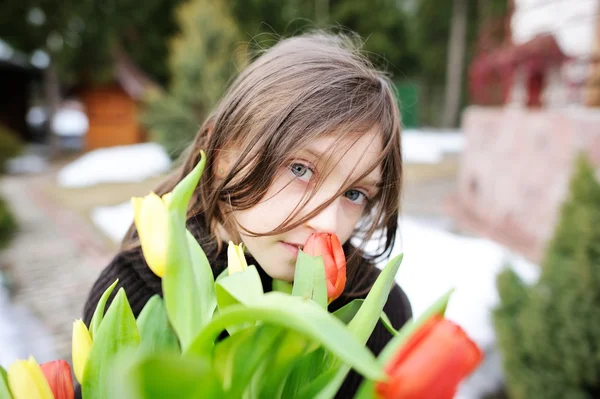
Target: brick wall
x,y
515,170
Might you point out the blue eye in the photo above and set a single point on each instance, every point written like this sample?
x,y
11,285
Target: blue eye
x,y
356,196
301,171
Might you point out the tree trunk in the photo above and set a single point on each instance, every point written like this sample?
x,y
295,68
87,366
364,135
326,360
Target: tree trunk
x,y
456,61
52,94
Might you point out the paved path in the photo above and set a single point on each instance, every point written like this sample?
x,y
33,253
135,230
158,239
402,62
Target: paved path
x,y
53,260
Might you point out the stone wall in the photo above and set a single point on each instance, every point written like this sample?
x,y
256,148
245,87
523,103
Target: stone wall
x,y
515,170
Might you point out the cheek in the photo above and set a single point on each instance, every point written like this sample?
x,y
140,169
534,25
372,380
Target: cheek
x,y
347,224
279,202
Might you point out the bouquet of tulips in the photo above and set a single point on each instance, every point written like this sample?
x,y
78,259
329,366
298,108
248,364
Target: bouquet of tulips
x,y
280,344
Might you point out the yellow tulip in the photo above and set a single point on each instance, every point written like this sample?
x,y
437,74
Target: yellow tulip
x,y
151,216
81,345
26,380
236,261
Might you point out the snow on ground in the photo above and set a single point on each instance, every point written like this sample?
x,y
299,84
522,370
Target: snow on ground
x,y
113,221
429,146
117,164
436,261
21,334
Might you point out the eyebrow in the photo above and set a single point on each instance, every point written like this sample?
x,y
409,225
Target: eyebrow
x,y
375,183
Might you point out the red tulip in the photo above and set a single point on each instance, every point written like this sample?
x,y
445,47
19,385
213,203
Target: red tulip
x,y
431,364
328,246
58,375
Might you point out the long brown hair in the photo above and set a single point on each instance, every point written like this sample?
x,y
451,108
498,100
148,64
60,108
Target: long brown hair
x,y
303,88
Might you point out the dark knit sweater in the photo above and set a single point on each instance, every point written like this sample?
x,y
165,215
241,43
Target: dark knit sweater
x,y
140,284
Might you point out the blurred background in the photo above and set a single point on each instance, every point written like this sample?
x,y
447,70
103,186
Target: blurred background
x,y
500,105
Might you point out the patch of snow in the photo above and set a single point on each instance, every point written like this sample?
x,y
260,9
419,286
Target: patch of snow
x,y
21,334
113,221
430,146
70,122
132,163
28,163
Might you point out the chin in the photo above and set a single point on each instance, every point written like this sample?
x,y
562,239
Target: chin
x,y
278,273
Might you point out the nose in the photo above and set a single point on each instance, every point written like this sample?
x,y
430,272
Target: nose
x,y
327,220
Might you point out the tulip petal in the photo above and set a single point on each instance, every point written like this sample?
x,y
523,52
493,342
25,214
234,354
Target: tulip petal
x,y
236,261
151,220
82,343
432,362
339,259
58,375
27,381
241,256
329,248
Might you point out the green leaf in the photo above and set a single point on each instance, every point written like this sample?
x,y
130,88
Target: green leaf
x,y
366,390
320,387
222,275
296,314
387,323
238,357
306,369
363,323
99,312
188,284
347,312
4,390
117,332
183,191
167,375
278,366
282,286
309,278
240,287
204,279
156,333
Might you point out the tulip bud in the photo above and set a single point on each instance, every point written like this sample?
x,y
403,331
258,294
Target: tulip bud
x,y
151,217
329,248
236,261
58,375
431,364
82,344
26,381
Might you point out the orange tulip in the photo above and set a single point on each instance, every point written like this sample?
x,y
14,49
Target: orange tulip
x,y
431,364
58,375
328,246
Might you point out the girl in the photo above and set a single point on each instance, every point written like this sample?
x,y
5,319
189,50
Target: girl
x,y
306,139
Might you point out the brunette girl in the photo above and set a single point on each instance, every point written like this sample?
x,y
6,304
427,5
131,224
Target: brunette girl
x,y
306,139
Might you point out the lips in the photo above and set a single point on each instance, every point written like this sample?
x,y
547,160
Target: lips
x,y
299,246
293,248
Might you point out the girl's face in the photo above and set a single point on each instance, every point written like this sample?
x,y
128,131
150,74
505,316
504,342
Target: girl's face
x,y
277,254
